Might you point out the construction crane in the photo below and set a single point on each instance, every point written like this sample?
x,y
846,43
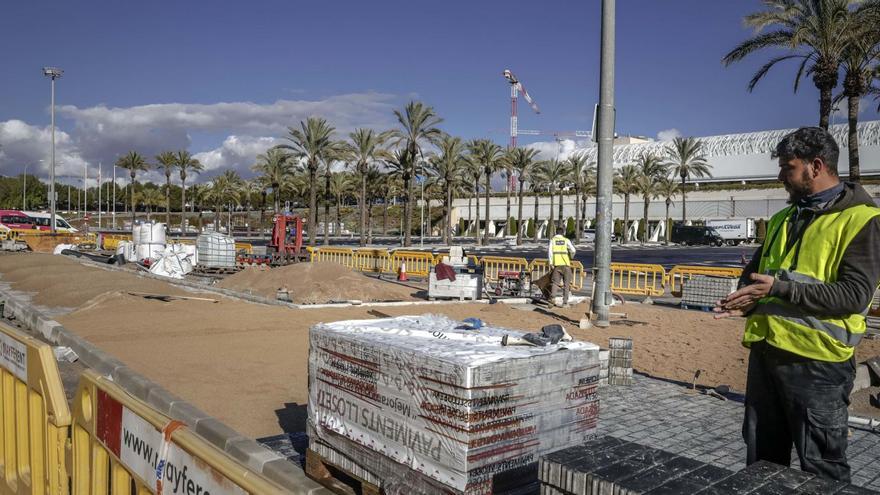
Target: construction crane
x,y
516,88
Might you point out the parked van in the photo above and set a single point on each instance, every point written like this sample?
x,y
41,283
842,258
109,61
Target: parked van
x,y
690,235
14,219
43,221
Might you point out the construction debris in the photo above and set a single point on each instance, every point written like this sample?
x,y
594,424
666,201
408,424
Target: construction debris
x,y
418,398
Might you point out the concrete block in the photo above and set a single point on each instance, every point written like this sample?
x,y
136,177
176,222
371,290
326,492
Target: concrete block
x,y
251,453
292,477
133,383
49,329
90,355
162,399
189,414
216,432
863,378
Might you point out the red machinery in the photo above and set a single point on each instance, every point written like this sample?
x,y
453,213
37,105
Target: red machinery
x,y
286,244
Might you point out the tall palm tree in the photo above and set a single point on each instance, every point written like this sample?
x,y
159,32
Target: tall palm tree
x,y
134,163
667,188
313,143
341,186
522,162
273,167
626,183
225,189
418,127
185,162
686,158
149,197
553,172
589,186
446,168
474,171
377,187
860,61
251,189
168,162
538,182
816,32
339,151
488,155
651,170
367,148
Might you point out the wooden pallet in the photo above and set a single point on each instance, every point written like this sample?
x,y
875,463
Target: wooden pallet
x,y
335,478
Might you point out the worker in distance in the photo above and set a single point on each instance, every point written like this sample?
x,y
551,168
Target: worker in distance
x,y
560,251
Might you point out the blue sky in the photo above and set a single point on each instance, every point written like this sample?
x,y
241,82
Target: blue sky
x,y
223,78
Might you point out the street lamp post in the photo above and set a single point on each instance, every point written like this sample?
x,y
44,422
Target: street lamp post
x,y
52,73
24,189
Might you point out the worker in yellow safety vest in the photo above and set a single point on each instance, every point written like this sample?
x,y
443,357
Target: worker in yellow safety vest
x,y
559,254
806,292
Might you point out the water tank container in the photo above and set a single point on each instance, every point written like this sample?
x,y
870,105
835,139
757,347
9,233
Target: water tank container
x,y
148,233
215,250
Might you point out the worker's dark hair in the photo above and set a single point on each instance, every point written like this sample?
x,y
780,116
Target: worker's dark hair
x,y
809,143
560,231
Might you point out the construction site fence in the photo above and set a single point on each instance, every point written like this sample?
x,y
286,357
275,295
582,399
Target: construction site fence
x,y
106,442
540,267
638,279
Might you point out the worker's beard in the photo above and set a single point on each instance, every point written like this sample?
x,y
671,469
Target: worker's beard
x,y
800,191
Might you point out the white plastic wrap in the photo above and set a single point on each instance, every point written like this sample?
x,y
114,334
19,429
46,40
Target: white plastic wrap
x,y
449,403
216,250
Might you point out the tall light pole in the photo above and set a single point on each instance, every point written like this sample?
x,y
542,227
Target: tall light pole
x,y
24,188
52,73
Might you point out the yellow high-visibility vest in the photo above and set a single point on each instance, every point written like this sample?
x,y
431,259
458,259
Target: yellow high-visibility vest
x,y
822,245
559,250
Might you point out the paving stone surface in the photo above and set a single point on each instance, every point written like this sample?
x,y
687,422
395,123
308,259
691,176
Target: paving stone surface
x,y
664,416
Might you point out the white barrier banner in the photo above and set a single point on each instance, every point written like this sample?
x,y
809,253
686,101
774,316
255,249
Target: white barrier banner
x,y
13,356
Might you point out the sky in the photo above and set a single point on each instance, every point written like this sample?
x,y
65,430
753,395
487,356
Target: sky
x,y
225,79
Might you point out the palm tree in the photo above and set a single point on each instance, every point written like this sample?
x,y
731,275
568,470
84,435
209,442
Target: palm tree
x,y
150,197
273,168
168,161
626,183
133,162
377,187
185,162
418,124
446,168
816,32
553,173
341,185
651,170
250,189
367,149
488,155
225,189
538,181
338,151
589,185
859,66
312,143
686,158
667,188
474,171
521,161
577,164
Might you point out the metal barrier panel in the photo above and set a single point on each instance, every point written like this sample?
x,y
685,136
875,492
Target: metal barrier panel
x,y
371,260
111,241
638,278
343,256
34,417
681,273
244,247
494,264
539,267
123,446
418,263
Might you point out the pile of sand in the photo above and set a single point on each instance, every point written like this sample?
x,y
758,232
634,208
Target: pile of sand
x,y
317,283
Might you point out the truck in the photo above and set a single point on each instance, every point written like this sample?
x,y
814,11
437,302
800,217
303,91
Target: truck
x,y
734,230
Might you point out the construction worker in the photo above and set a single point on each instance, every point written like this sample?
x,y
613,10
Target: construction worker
x,y
805,292
559,253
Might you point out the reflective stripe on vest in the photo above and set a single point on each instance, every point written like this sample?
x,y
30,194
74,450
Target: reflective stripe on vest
x,y
560,251
822,246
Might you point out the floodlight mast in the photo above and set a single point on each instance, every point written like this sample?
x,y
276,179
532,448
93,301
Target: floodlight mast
x,y
52,73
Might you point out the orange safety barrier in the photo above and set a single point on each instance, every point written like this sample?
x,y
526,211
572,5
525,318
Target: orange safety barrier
x,y
638,278
681,273
34,417
123,446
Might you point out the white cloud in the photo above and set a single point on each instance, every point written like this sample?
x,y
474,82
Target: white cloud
x,y
668,134
102,133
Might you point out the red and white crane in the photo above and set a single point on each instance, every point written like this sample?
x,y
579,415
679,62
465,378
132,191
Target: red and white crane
x,y
516,88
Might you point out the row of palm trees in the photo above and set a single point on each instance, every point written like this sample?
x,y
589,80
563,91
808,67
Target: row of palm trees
x,y
827,38
167,161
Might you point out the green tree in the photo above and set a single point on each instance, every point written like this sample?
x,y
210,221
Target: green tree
x,y
522,162
815,32
626,183
134,163
225,189
474,170
570,228
418,127
686,158
667,188
488,155
273,168
651,170
553,173
185,162
581,171
167,162
367,149
446,167
150,197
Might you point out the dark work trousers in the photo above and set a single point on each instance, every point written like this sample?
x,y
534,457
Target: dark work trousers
x,y
792,399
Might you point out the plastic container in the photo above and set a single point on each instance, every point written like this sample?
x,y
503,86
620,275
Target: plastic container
x,y
148,233
215,250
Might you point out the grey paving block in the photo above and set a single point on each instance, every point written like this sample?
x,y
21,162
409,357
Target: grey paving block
x,y
250,453
162,399
216,432
693,482
292,477
133,383
188,413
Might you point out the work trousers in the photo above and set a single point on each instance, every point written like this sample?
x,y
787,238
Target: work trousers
x,y
793,399
561,276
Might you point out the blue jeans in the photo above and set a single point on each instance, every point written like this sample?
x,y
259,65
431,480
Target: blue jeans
x,y
791,399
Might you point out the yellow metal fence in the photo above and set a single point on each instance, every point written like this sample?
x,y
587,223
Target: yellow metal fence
x,y
680,274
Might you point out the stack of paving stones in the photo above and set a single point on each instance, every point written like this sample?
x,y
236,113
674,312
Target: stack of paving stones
x,y
620,362
703,291
604,356
608,465
435,405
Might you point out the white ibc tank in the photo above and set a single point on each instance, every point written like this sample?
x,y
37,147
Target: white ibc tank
x,y
151,251
148,233
216,250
